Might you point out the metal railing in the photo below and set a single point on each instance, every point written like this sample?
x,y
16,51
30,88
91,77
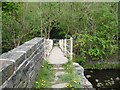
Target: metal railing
x,y
66,46
48,47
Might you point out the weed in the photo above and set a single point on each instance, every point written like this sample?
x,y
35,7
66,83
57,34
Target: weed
x,y
70,76
44,76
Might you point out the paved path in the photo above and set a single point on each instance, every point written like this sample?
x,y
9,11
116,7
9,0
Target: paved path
x,y
57,57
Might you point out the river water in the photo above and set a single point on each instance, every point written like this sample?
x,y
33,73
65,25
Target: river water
x,y
106,78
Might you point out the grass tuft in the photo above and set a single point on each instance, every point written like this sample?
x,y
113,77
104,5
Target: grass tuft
x,y
70,76
44,76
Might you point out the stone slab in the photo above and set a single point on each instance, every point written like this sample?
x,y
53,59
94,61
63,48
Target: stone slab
x,y
6,70
60,85
17,57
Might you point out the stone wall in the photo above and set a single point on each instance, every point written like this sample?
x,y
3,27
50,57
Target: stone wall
x,y
18,67
83,81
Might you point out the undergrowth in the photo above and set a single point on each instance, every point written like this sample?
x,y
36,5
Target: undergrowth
x,y
70,76
102,66
44,76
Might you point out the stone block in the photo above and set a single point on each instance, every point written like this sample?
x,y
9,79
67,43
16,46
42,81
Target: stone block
x,y
32,46
16,78
36,42
38,64
6,70
22,84
24,49
32,79
8,84
78,66
34,60
17,57
29,85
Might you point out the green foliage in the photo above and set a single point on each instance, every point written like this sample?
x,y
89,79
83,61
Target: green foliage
x,y
9,10
44,76
68,66
92,25
80,60
72,80
95,47
70,76
103,65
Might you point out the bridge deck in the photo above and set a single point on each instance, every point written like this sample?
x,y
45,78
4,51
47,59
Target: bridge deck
x,y
57,56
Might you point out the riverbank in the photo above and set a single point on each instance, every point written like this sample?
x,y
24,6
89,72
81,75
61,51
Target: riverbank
x,y
101,65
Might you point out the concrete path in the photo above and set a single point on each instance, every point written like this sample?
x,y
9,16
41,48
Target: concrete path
x,y
57,59
57,56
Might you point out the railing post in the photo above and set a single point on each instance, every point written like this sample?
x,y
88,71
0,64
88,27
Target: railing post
x,y
44,49
71,47
48,47
65,46
48,44
62,44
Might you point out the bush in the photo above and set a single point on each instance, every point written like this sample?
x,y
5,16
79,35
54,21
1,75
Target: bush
x,y
94,47
80,60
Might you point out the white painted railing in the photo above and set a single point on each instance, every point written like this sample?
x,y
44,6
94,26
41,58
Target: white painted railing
x,y
48,47
66,46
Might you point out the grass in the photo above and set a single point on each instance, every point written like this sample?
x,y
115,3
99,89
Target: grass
x,y
102,66
70,76
44,76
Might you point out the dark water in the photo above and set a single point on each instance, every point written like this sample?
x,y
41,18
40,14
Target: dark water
x,y
109,78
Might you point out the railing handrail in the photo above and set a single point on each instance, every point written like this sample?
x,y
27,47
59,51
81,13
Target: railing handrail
x,y
48,47
64,45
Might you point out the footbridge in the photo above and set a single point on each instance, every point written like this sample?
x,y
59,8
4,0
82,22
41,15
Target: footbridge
x,y
19,67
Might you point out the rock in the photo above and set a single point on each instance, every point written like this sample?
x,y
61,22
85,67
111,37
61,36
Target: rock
x,y
112,82
60,85
59,73
106,84
58,68
105,80
111,78
96,80
91,71
99,84
85,83
56,78
76,64
88,76
102,85
117,78
79,68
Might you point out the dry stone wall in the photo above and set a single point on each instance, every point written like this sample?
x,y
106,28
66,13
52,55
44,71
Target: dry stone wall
x,y
18,67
